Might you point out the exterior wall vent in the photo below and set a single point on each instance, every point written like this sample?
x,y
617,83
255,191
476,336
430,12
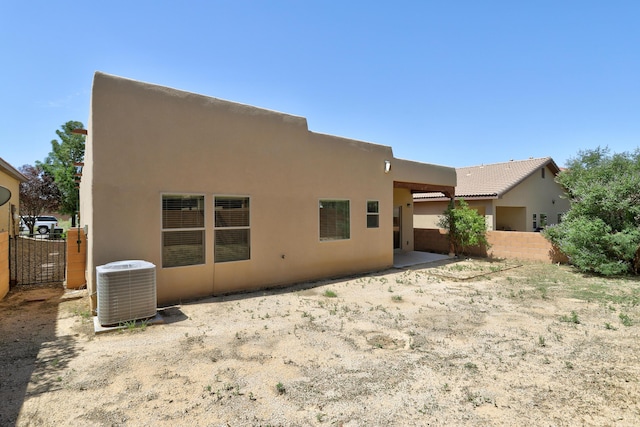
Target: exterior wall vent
x,y
126,291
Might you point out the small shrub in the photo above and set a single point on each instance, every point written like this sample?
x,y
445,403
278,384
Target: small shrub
x,y
571,319
625,319
330,294
471,366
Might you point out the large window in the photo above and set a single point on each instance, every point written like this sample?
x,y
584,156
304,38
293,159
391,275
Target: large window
x,y
373,214
334,220
232,232
182,230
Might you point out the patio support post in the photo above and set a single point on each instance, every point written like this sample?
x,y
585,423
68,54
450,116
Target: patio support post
x,y
452,228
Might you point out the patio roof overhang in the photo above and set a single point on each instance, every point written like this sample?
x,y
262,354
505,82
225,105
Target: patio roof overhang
x,y
415,187
424,178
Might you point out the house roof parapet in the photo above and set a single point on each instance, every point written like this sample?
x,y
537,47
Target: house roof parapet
x,y
11,171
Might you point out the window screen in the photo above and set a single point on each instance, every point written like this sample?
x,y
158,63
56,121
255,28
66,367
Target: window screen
x,y
334,219
182,230
232,229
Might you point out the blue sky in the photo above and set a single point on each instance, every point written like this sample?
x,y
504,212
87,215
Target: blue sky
x,y
456,83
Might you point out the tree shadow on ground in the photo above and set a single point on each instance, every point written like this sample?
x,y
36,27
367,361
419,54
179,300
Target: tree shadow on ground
x,y
32,358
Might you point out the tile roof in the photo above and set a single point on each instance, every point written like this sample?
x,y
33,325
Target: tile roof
x,y
493,180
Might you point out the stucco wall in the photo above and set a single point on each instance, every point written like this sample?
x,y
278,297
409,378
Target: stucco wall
x,y
537,195
13,185
428,214
147,140
4,263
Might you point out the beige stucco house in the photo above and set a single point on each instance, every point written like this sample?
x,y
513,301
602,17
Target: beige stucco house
x,y
10,178
225,197
513,196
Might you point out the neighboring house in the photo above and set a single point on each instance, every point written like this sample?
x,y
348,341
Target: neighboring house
x,y
225,197
10,178
513,196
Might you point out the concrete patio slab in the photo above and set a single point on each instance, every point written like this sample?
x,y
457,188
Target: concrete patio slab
x,y
407,259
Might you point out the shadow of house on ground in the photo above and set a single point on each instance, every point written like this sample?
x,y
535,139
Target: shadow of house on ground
x,y
32,357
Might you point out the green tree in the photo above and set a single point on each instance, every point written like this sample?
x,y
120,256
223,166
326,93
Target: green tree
x,y
466,227
38,194
60,164
601,231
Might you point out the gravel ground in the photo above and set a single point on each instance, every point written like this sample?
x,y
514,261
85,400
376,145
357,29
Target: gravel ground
x,y
457,343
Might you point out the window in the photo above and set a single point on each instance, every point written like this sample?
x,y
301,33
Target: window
x,y
334,220
182,230
537,226
543,220
542,172
232,229
373,214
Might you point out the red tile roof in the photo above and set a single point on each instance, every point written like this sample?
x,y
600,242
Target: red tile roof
x,y
494,180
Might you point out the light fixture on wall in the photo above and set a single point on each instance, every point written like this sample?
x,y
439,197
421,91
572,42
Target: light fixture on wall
x,y
387,166
553,201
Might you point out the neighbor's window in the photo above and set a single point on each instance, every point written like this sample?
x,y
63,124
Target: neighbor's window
x,y
232,232
334,219
542,171
373,214
182,230
543,220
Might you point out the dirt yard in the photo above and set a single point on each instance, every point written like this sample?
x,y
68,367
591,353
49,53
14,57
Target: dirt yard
x,y
461,343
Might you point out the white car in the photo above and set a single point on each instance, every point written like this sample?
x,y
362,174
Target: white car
x,y
43,224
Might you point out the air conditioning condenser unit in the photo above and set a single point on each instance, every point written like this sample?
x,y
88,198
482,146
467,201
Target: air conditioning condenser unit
x,y
126,291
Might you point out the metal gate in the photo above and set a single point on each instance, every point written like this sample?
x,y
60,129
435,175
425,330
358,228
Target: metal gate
x,y
37,259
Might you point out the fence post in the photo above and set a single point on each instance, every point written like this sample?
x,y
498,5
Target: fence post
x,y
76,258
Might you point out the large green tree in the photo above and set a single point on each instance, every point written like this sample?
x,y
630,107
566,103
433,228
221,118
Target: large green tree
x,y
466,227
66,151
601,231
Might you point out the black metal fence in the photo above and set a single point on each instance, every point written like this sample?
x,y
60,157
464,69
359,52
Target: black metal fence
x,y
37,259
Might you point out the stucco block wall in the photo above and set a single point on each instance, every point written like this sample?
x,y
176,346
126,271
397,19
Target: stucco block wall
x,y
431,240
76,259
504,244
4,264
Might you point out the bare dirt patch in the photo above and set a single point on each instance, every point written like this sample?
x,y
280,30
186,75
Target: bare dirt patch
x,y
531,345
